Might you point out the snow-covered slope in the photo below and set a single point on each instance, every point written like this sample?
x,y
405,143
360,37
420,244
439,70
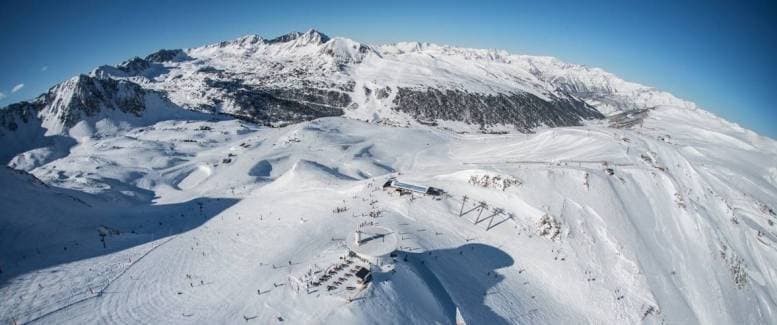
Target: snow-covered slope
x,y
682,231
133,209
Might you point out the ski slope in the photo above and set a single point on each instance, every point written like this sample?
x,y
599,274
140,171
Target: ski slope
x,y
187,220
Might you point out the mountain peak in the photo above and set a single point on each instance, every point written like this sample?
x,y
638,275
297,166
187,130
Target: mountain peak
x,y
165,55
250,39
311,36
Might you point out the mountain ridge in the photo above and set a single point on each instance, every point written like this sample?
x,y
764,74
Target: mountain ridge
x,y
254,78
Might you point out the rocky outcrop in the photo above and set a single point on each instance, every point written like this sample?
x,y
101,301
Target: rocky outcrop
x,y
17,114
309,36
85,96
163,55
134,66
74,100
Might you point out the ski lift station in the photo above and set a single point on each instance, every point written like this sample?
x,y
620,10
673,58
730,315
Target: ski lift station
x,y
375,244
406,188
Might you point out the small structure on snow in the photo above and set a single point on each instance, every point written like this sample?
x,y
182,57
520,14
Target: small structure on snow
x,y
393,185
363,276
374,245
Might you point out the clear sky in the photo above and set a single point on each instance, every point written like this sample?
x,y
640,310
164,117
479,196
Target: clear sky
x,y
720,55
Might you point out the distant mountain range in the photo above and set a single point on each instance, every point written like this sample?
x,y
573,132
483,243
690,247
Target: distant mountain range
x,y
302,76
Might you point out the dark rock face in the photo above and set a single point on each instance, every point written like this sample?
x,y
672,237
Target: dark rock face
x,y
20,129
312,35
267,105
22,112
24,125
134,66
209,69
75,99
343,59
140,67
163,55
91,95
284,38
524,111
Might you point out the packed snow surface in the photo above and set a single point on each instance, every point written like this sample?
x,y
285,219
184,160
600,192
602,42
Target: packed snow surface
x,y
204,221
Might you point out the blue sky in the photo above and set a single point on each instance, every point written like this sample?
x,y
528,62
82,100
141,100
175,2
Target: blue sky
x,y
717,54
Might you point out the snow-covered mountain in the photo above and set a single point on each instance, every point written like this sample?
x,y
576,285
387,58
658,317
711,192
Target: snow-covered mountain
x,y
155,192
302,76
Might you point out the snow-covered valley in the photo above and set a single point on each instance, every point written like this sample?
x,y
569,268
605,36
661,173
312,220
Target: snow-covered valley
x,y
169,215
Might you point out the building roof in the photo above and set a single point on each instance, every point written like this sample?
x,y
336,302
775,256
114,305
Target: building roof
x,y
362,272
411,187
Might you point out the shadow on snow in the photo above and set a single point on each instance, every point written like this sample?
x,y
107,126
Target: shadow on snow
x,y
460,277
56,239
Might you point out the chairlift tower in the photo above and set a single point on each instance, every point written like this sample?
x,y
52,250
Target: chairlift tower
x,y
375,245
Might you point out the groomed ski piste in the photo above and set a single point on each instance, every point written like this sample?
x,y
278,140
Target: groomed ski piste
x,y
202,222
